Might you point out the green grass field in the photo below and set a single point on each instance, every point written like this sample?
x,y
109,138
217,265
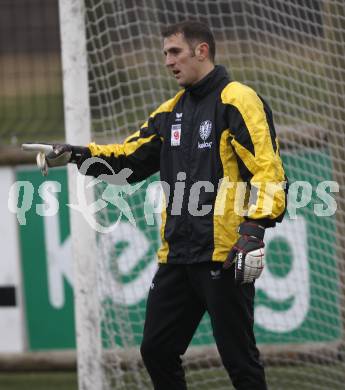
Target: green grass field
x,y
38,381
307,377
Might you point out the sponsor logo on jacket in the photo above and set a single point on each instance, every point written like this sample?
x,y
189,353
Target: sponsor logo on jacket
x,y
175,135
204,132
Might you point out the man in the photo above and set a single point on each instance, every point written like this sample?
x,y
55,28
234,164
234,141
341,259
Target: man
x,y
219,133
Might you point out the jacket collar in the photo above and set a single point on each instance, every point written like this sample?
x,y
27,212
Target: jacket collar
x,y
209,82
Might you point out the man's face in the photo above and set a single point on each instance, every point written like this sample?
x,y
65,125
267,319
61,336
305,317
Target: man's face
x,y
181,61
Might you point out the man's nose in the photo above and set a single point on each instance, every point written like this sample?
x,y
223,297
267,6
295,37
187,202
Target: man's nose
x,y
169,61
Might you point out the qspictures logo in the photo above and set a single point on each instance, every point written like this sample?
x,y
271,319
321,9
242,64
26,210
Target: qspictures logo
x,y
116,191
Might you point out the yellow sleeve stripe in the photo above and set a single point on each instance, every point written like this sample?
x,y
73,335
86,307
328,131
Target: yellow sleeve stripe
x,y
269,183
252,110
266,165
270,169
245,155
117,150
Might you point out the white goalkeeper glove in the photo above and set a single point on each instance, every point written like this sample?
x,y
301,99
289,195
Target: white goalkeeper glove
x,y
54,155
248,253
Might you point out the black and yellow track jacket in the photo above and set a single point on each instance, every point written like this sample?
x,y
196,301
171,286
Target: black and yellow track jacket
x,y
217,133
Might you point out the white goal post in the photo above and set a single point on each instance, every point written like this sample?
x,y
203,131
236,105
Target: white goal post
x,y
84,247
292,53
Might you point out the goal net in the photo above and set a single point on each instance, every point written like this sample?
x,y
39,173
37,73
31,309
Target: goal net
x,y
292,53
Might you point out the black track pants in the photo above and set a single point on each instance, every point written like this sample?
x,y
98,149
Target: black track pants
x,y
178,298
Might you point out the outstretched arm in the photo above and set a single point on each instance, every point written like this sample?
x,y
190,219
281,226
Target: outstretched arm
x,y
140,153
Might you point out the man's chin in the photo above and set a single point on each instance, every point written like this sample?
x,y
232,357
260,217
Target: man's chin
x,y
182,83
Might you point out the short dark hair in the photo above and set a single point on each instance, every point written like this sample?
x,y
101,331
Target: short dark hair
x,y
193,31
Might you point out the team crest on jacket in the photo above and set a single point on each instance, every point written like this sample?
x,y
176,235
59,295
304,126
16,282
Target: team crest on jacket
x,y
205,131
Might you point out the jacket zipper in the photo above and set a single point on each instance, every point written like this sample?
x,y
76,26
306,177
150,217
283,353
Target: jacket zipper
x,y
188,179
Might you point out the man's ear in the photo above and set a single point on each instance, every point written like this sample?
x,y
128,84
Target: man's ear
x,y
201,51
